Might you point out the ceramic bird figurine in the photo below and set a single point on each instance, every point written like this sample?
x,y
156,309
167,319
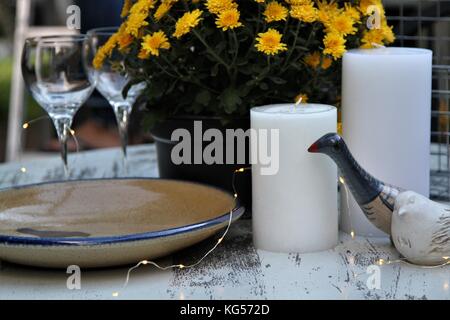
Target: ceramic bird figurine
x,y
419,227
375,198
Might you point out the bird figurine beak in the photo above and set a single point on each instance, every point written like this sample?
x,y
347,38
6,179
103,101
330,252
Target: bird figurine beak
x,y
314,148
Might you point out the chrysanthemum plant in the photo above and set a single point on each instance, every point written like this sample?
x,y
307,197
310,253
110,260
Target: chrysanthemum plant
x,y
222,57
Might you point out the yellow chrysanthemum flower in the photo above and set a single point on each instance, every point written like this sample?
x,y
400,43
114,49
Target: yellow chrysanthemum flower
x,y
105,51
138,15
327,10
163,8
275,12
218,6
352,12
142,6
299,2
188,21
228,19
143,54
364,7
120,38
304,12
372,38
99,59
326,63
313,59
126,8
124,41
316,60
154,42
334,45
135,22
388,34
270,42
341,24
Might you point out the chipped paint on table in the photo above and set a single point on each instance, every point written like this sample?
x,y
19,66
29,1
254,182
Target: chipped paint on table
x,y
236,270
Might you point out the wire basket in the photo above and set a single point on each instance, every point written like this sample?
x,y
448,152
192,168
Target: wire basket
x,y
426,24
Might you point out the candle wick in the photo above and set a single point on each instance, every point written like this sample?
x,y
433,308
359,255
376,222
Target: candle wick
x,y
378,46
299,101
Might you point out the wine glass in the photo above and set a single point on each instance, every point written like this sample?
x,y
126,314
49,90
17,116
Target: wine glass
x,y
112,79
60,82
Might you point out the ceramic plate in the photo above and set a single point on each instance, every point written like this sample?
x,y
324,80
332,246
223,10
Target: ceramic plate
x,y
100,223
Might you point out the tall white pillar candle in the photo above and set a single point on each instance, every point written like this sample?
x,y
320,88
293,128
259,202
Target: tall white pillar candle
x,y
295,210
386,115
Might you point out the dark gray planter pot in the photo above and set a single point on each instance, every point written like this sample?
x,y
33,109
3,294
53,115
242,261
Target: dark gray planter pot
x,y
219,175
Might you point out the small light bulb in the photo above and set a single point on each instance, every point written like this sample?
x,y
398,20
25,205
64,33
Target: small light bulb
x,y
72,132
115,294
352,233
181,266
219,241
241,170
342,180
144,262
23,169
381,262
25,125
235,195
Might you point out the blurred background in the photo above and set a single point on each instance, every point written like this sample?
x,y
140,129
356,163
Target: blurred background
x,y
417,23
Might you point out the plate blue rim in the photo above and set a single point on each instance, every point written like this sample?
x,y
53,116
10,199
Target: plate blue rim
x,y
236,212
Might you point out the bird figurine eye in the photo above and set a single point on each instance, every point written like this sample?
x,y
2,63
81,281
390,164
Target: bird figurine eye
x,y
336,146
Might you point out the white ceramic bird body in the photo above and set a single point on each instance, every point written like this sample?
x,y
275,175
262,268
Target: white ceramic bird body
x,y
421,229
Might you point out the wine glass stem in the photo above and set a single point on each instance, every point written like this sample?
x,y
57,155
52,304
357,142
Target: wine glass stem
x,y
122,112
62,125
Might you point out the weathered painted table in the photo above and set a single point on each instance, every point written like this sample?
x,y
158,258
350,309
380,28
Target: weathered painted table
x,y
236,270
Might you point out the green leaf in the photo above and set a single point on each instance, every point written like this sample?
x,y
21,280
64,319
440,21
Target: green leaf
x,y
278,80
220,47
215,70
203,98
156,89
245,90
264,86
230,99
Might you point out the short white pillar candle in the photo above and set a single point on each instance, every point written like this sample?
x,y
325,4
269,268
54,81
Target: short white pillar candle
x,y
386,116
295,210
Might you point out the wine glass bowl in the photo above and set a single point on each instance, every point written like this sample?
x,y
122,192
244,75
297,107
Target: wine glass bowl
x,y
112,80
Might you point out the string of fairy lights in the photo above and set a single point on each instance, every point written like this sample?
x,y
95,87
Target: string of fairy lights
x,y
341,180
199,261
26,126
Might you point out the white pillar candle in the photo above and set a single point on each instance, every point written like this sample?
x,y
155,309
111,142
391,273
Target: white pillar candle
x,y
386,115
295,210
